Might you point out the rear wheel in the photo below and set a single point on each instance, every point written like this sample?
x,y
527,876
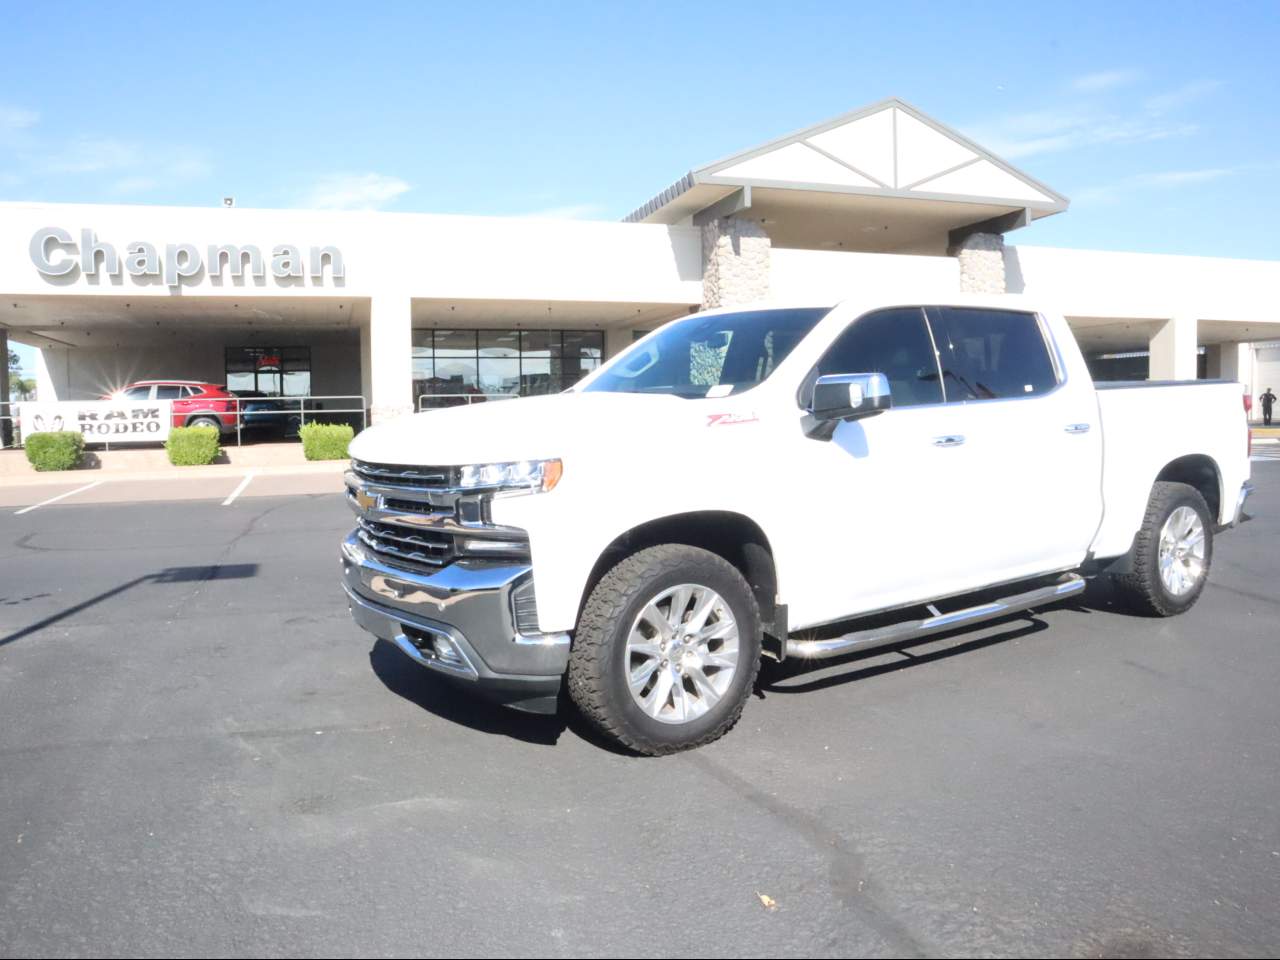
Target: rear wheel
x,y
1171,554
205,421
667,650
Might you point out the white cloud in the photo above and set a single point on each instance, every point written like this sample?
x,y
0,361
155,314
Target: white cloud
x,y
134,185
1048,131
1155,180
1183,95
94,154
1105,80
1084,121
353,191
136,169
16,118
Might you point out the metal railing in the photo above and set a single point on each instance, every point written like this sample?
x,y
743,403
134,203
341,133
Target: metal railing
x,y
282,409
435,401
276,411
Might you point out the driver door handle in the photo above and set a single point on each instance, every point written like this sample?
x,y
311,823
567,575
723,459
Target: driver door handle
x,y
948,440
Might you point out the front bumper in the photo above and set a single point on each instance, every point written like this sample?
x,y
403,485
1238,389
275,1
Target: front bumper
x,y
460,622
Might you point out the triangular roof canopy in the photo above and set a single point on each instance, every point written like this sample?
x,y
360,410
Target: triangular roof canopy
x,y
885,162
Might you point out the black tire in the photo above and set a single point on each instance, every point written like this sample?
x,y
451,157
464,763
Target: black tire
x,y
1143,590
205,421
597,679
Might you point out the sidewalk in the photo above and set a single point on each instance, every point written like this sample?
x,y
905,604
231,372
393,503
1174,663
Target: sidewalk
x,y
152,463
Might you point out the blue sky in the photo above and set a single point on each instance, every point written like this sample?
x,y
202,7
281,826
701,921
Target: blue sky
x,y
1159,120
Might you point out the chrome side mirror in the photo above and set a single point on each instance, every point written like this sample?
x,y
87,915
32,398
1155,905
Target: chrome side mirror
x,y
846,396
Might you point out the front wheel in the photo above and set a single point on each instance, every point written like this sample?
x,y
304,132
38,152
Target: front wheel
x,y
666,650
1171,553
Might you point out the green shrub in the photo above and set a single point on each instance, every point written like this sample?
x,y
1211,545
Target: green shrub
x,y
326,441
193,446
60,450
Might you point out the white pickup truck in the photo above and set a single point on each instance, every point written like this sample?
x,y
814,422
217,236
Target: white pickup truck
x,y
784,482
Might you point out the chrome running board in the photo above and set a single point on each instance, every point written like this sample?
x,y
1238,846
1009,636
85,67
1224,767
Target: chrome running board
x,y
912,629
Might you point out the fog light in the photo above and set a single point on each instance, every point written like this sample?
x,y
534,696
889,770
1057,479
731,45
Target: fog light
x,y
445,650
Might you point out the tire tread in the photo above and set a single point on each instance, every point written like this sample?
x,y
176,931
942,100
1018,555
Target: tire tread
x,y
1141,588
605,607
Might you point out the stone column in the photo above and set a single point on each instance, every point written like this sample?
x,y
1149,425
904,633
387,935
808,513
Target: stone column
x,y
981,257
390,351
1173,350
735,262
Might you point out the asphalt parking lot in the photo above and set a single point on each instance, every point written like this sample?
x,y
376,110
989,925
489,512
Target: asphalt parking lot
x,y
199,754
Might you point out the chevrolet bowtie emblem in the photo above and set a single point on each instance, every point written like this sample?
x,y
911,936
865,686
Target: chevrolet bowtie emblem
x,y
368,501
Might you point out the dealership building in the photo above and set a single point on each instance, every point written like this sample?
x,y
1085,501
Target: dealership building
x,y
395,310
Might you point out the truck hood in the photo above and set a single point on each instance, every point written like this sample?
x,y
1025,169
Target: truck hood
x,y
529,428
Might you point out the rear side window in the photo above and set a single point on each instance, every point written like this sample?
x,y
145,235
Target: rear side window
x,y
991,354
893,342
168,392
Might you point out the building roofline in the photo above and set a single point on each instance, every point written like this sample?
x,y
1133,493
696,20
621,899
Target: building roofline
x,y
709,173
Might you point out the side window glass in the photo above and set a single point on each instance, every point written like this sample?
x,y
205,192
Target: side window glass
x,y
991,354
893,342
168,392
138,393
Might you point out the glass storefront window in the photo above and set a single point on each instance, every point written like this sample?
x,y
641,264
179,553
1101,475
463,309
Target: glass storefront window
x,y
521,362
271,371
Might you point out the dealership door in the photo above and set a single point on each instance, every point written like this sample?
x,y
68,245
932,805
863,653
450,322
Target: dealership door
x,y
269,371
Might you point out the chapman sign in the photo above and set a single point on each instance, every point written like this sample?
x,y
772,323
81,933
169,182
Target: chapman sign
x,y
101,421
56,254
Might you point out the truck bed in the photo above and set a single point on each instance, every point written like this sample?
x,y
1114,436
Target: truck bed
x,y
1138,441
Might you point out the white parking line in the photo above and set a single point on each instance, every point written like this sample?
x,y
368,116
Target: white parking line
x,y
61,496
239,490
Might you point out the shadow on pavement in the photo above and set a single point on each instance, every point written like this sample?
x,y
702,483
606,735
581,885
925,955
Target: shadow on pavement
x,y
774,677
442,697
201,574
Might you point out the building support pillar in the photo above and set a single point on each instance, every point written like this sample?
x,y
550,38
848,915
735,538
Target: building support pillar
x,y
6,426
981,257
388,344
1173,350
1234,362
735,262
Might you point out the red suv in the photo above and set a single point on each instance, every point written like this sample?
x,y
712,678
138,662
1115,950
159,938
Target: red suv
x,y
195,404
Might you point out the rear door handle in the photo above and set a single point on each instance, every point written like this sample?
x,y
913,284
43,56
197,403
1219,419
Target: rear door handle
x,y
949,440
1077,427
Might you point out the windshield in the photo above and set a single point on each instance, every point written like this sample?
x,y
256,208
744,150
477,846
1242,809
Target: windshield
x,y
709,356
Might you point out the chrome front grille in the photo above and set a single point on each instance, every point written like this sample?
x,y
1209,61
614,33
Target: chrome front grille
x,y
421,550
406,476
416,519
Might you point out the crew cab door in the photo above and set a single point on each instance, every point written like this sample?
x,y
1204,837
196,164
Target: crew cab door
x,y
1024,478
881,527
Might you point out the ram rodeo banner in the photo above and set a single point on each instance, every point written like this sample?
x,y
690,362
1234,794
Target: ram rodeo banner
x,y
802,482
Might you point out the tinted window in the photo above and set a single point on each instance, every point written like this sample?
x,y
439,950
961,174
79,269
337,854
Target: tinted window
x,y
709,356
138,393
168,392
893,342
991,354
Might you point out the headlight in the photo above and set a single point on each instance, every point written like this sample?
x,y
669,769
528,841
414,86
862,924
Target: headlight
x,y
520,476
